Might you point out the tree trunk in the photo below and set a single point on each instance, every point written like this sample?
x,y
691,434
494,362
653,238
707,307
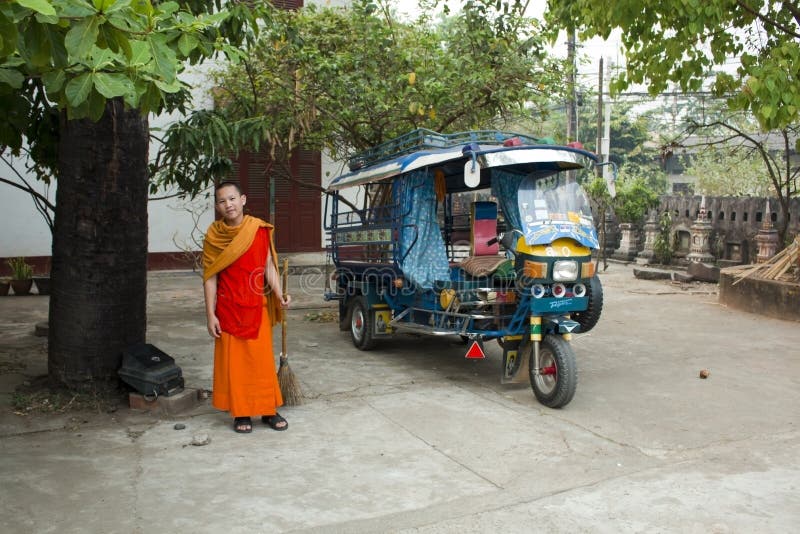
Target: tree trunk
x,y
99,269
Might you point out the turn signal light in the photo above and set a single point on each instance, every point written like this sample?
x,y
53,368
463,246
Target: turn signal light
x,y
534,269
587,269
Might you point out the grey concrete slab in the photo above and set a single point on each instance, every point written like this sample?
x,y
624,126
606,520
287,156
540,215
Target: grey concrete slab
x,y
411,437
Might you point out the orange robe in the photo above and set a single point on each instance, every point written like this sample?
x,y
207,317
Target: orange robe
x,y
245,379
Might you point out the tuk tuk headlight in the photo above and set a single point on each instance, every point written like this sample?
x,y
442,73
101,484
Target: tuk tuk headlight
x,y
565,271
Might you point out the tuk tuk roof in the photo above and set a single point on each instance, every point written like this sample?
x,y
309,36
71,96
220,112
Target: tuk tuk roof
x,y
525,159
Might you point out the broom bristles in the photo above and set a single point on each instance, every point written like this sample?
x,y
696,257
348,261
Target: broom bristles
x,y
290,386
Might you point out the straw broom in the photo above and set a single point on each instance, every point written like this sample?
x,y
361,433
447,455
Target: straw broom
x,y
290,387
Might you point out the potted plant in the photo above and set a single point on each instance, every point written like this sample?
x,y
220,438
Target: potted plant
x,y
21,276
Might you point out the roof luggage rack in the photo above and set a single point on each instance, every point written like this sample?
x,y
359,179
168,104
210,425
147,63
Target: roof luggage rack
x,y
422,138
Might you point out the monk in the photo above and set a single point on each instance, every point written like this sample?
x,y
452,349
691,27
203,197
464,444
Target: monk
x,y
243,301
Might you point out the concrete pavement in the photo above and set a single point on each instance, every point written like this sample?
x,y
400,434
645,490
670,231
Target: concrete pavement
x,y
413,438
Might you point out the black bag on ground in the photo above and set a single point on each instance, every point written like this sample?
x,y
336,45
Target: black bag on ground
x,y
150,371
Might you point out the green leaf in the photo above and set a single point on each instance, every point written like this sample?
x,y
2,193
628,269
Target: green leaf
x,y
102,58
47,19
119,40
53,81
168,8
132,98
81,37
124,22
37,46
76,9
140,54
187,43
112,85
151,99
8,35
173,87
78,88
59,57
11,77
113,6
164,59
142,7
40,6
96,106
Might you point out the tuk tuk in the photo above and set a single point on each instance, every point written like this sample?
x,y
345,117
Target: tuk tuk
x,y
486,235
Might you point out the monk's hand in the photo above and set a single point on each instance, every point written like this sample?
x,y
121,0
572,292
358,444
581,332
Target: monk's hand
x,y
214,329
286,300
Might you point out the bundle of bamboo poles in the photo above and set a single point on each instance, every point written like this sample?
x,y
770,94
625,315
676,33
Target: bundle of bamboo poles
x,y
777,266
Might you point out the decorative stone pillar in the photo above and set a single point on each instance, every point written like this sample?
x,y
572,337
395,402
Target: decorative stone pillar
x,y
700,234
611,234
650,233
627,243
766,238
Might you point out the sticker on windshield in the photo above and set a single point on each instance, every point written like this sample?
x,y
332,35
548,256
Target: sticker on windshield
x,y
541,214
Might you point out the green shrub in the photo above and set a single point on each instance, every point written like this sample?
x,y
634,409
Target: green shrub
x,y
663,246
19,269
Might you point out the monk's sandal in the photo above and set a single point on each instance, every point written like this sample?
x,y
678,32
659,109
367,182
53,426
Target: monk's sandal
x,y
274,420
243,425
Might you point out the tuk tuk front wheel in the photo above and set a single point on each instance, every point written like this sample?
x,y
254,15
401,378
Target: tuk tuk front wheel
x,y
361,326
589,317
555,383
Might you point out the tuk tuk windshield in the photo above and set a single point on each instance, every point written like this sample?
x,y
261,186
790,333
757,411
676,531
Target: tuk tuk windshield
x,y
550,208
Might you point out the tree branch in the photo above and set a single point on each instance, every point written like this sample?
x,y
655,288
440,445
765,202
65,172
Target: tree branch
x,y
768,21
27,187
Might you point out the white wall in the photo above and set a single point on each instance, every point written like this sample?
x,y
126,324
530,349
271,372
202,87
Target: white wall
x,y
25,232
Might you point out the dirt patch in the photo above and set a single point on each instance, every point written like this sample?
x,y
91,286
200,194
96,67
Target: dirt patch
x,y
41,396
322,316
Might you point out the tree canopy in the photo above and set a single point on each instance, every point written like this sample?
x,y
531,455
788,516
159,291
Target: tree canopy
x,y
72,56
345,79
691,43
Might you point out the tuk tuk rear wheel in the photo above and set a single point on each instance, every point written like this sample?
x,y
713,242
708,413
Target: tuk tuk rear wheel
x,y
344,316
361,324
555,383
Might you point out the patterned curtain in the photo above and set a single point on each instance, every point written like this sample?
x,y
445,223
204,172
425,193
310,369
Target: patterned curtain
x,y
504,187
422,252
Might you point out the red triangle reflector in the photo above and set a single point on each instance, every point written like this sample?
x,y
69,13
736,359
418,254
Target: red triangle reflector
x,y
475,351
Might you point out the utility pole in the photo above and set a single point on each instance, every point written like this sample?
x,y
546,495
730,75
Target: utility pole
x,y
600,110
606,140
572,100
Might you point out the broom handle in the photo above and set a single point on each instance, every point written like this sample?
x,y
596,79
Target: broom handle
x,y
283,312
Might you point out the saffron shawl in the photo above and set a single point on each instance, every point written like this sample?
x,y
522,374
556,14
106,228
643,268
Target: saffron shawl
x,y
224,244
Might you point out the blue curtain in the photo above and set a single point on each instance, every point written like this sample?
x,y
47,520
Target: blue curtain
x,y
504,188
423,258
